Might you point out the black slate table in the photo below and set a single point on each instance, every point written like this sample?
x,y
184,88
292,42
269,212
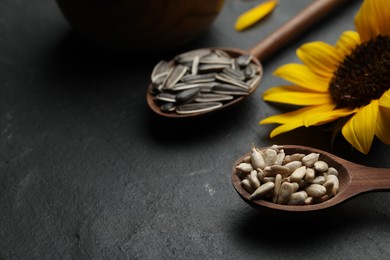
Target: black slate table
x,y
88,171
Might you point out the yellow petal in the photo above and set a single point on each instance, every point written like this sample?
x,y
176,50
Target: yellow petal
x,y
320,57
295,95
382,15
360,129
384,101
285,128
383,126
294,119
302,76
348,42
367,20
296,115
255,14
326,117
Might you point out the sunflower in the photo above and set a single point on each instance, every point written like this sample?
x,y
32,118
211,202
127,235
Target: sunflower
x,y
348,82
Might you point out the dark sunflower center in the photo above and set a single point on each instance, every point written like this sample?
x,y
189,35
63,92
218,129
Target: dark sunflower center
x,y
363,75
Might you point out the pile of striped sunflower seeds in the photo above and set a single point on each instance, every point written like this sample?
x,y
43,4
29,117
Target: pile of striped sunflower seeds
x,y
202,80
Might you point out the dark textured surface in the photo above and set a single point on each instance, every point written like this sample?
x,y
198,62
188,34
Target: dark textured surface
x,y
87,171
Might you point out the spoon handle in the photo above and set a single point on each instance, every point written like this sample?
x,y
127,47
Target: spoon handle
x,y
312,14
365,179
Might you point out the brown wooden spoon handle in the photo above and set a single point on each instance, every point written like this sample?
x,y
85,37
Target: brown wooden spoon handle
x,y
309,16
365,179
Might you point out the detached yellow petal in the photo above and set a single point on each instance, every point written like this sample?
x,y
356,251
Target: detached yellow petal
x,y
383,126
320,57
255,14
348,42
360,129
302,76
295,95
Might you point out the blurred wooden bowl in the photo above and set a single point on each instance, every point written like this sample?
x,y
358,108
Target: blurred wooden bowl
x,y
141,25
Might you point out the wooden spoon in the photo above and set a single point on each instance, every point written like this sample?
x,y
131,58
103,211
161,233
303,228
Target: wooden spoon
x,y
354,179
264,49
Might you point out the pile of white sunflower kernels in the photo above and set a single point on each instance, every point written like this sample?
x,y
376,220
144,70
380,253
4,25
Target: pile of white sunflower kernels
x,y
296,179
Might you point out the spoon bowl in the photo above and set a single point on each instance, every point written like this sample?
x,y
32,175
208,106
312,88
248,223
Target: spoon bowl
x,y
309,16
354,179
234,53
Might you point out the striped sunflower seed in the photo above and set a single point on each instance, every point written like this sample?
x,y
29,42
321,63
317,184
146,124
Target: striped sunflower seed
x,y
197,107
212,97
